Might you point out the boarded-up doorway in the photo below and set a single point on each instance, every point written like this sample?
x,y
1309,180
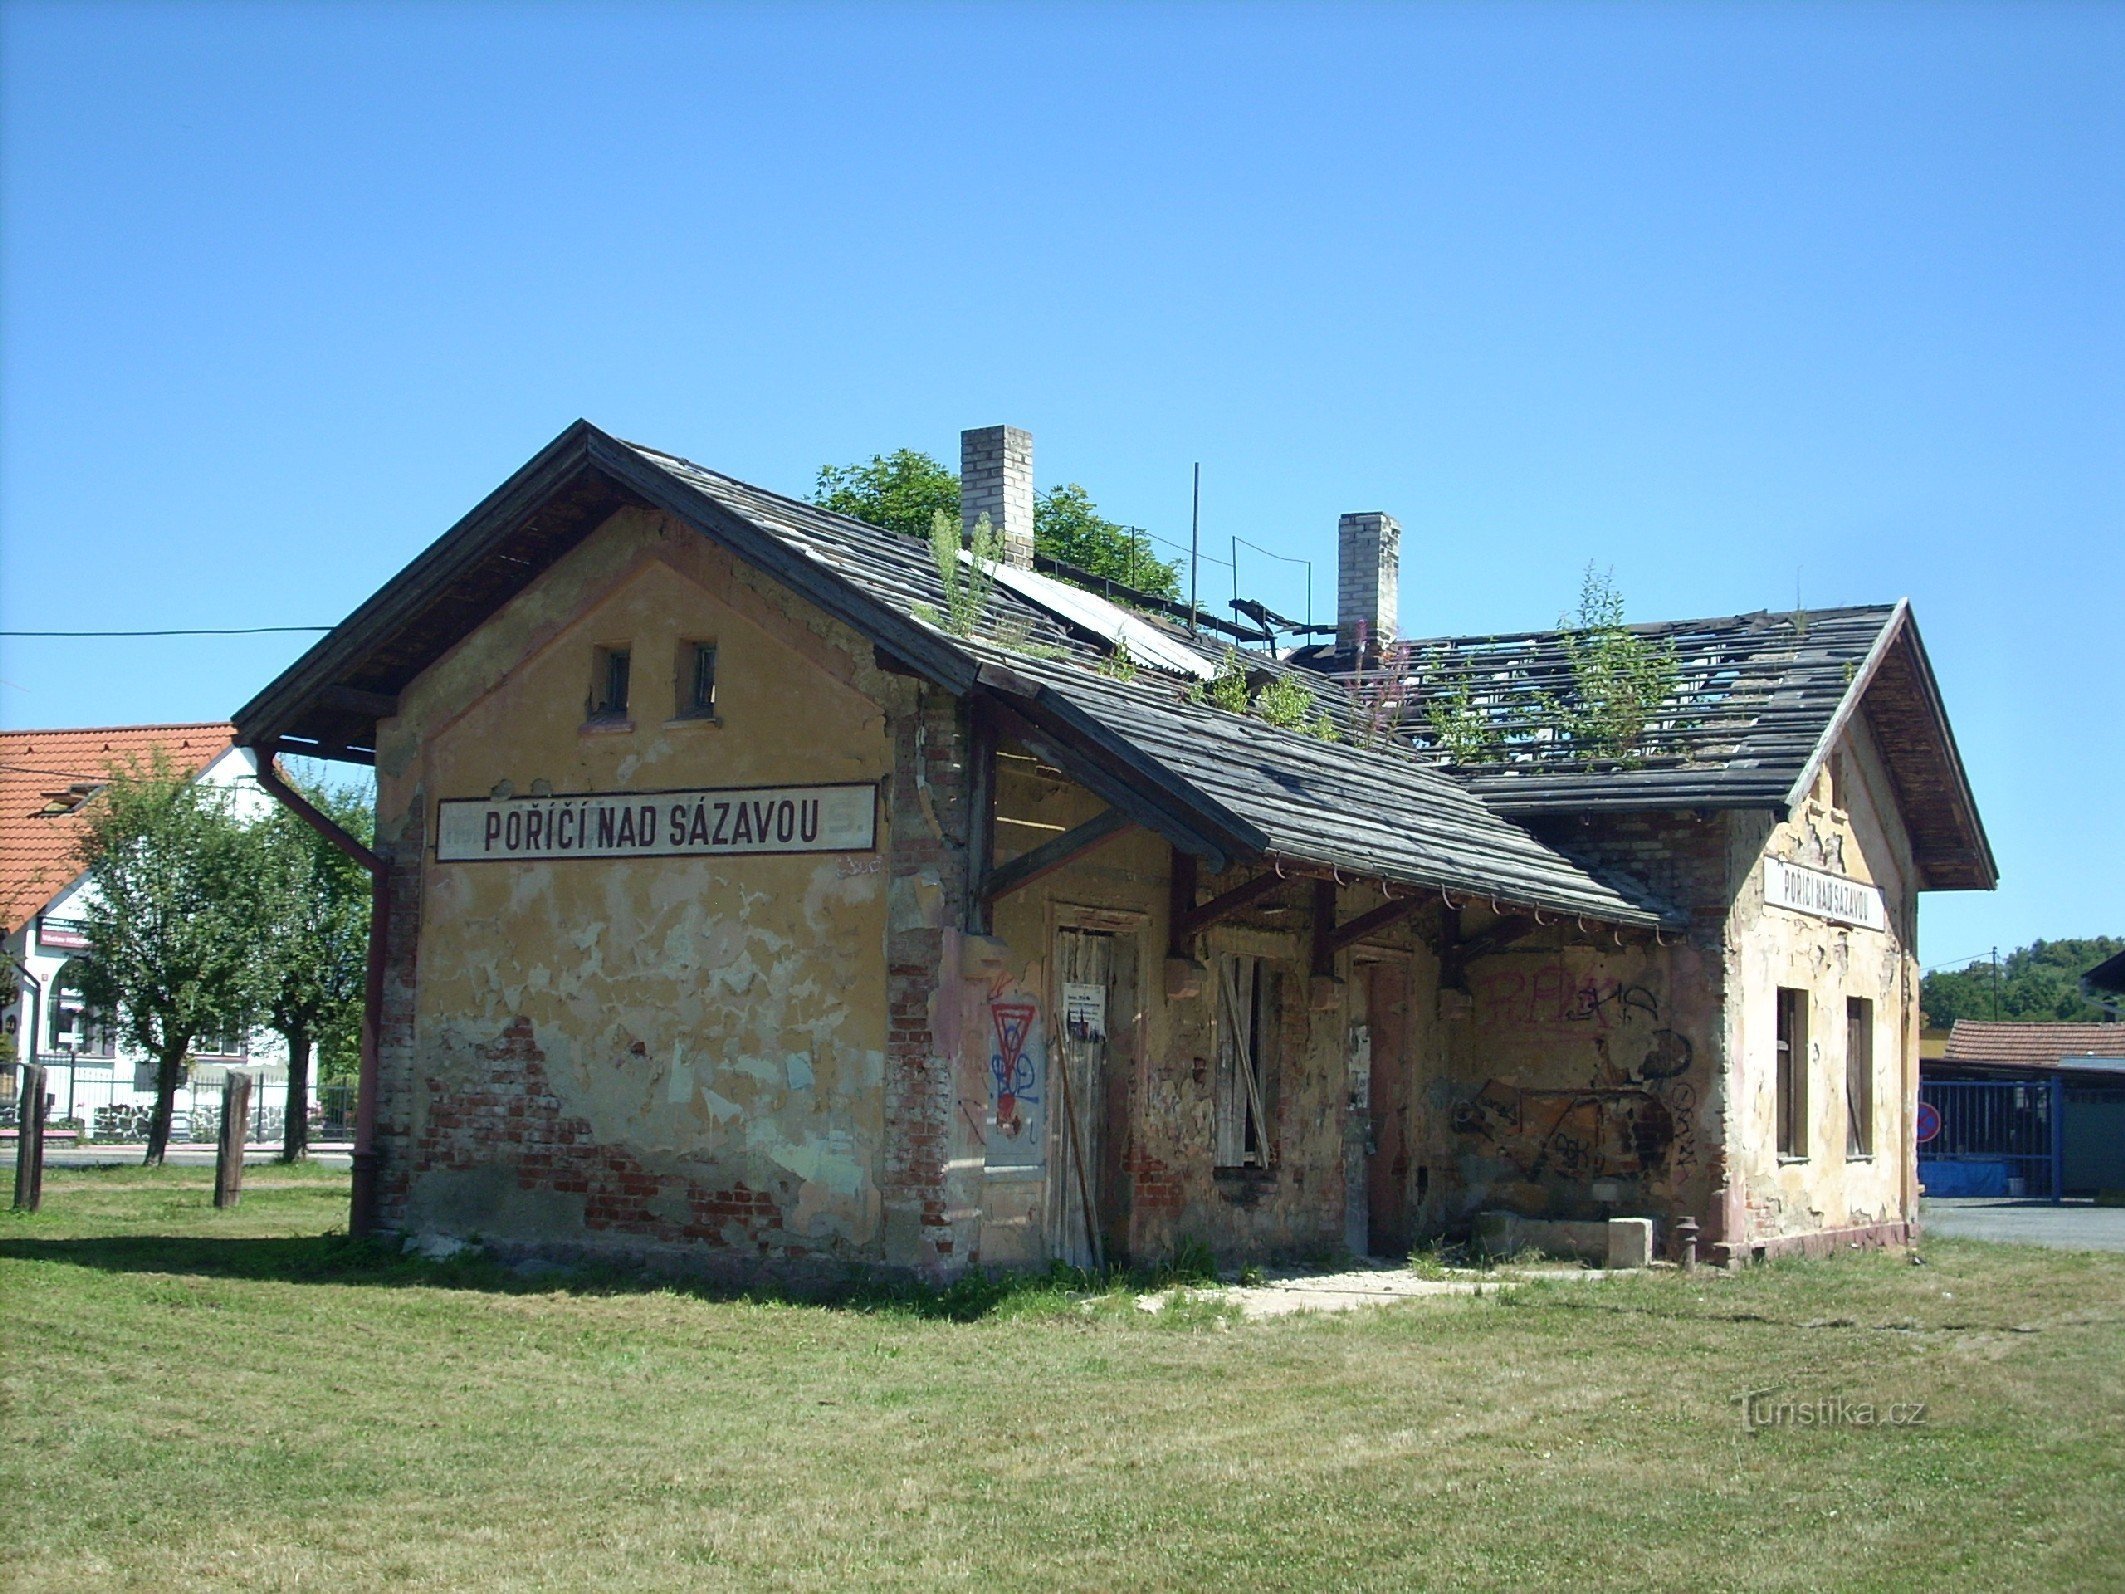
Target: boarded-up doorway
x,y
1095,1030
1390,1230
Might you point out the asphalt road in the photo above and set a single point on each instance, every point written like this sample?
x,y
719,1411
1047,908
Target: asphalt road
x,y
2069,1226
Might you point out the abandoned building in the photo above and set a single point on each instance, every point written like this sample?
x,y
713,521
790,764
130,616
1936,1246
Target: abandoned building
x,y
745,898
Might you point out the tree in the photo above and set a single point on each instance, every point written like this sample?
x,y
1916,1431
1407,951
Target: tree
x,y
901,491
316,942
1067,526
2040,982
906,490
172,922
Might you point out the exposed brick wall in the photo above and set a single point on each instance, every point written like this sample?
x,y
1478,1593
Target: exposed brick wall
x,y
510,1114
927,864
1678,857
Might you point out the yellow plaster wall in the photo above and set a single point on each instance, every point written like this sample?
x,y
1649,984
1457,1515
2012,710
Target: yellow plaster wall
x,y
1770,947
720,1021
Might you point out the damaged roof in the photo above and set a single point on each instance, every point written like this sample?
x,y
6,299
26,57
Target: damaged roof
x,y
1222,786
1755,705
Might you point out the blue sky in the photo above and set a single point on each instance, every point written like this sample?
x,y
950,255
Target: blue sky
x,y
1746,302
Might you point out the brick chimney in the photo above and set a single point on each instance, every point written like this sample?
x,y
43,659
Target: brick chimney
x,y
996,479
1368,581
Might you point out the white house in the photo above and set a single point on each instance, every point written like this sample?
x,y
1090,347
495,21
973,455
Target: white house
x,y
49,781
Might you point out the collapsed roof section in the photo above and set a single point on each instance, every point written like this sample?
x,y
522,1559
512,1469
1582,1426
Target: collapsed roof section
x,y
1754,706
1221,787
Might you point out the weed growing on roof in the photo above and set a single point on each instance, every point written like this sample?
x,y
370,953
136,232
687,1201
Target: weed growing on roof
x,y
1286,701
967,583
1120,665
1619,678
1289,702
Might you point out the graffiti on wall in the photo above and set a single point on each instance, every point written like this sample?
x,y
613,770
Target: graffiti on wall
x,y
1017,1074
1633,1115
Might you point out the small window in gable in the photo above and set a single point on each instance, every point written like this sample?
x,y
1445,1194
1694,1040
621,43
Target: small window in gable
x,y
608,684
697,680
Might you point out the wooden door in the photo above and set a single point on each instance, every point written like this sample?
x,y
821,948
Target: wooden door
x,y
1094,1012
1390,1229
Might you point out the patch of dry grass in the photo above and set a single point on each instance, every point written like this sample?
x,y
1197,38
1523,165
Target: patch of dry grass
x,y
196,1399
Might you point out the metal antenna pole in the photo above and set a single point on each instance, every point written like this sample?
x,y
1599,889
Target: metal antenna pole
x,y
1195,547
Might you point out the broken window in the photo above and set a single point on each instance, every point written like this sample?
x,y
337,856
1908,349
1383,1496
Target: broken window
x,y
608,684
1247,992
1792,1085
1859,1077
697,680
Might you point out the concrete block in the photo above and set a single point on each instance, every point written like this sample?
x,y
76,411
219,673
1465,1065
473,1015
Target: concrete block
x,y
1630,1242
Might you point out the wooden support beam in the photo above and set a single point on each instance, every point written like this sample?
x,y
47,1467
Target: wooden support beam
x,y
1324,929
1455,954
1372,921
370,705
1116,787
1226,904
981,816
1054,853
1180,902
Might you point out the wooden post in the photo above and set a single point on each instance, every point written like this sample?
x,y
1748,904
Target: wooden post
x,y
29,1149
235,1131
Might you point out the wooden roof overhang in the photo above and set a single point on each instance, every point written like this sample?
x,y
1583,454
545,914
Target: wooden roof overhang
x,y
327,703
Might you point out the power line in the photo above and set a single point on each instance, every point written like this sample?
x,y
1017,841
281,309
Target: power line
x,y
247,630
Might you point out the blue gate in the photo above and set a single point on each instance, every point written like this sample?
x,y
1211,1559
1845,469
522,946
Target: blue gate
x,y
1992,1137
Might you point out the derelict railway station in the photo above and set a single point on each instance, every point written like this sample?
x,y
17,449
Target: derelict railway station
x,y
733,910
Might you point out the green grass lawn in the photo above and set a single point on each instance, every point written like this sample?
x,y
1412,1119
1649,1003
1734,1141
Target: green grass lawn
x,y
195,1399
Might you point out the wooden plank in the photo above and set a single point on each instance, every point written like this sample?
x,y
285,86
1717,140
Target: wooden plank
x,y
1324,929
1226,904
34,1108
1111,787
1054,853
369,705
1374,920
981,815
1180,902
229,1144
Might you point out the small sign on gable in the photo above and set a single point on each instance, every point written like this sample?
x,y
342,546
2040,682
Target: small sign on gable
x,y
662,824
1825,896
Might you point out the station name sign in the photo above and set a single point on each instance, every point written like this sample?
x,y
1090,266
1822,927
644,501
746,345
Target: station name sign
x,y
664,824
1826,896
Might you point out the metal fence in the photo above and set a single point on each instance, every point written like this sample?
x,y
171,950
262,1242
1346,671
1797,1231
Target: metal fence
x,y
1992,1138
101,1103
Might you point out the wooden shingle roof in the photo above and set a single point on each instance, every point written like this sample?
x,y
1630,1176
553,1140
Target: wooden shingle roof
x,y
1219,785
1756,703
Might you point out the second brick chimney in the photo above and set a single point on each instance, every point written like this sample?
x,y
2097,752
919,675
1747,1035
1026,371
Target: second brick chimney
x,y
1368,582
996,479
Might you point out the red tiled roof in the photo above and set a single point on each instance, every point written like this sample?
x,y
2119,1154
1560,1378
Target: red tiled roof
x,y
45,779
2030,1044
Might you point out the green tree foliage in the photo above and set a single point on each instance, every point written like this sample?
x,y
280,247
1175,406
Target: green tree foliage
x,y
10,993
2037,982
903,491
315,926
1067,526
1619,678
174,920
906,490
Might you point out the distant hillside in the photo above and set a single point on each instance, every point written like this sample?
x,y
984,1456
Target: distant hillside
x,y
2039,981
